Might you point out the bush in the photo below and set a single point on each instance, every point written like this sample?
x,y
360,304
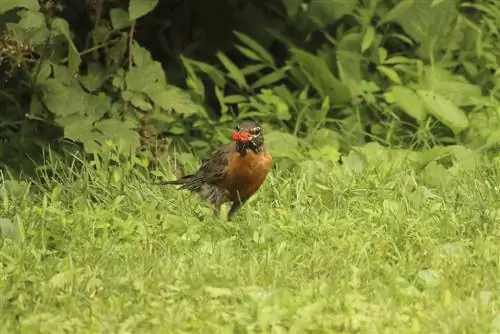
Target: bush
x,y
322,76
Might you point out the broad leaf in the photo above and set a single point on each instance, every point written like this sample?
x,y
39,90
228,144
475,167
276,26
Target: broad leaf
x,y
61,26
64,100
6,5
138,8
292,7
9,230
119,18
173,98
349,62
444,110
409,102
31,29
326,12
454,87
281,144
321,78
142,78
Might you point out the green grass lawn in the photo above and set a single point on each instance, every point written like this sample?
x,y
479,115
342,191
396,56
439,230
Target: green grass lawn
x,y
377,245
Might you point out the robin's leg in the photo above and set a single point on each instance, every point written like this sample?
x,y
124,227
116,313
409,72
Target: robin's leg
x,y
217,211
234,208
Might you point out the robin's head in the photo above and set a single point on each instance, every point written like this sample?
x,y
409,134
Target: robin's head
x,y
248,135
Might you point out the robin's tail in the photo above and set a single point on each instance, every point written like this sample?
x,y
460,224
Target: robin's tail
x,y
190,182
174,182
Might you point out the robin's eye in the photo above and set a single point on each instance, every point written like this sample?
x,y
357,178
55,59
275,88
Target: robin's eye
x,y
255,131
238,128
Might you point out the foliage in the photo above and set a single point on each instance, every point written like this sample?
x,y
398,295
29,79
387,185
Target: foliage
x,y
323,75
391,241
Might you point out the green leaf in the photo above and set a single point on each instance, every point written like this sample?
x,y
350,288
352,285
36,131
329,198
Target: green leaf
x,y
368,38
235,99
270,79
319,75
292,7
444,110
119,18
173,98
61,26
64,100
141,78
349,62
409,102
454,87
31,28
234,71
119,131
282,144
138,8
6,5
140,101
390,73
401,8
95,77
9,229
248,53
141,56
326,12
257,48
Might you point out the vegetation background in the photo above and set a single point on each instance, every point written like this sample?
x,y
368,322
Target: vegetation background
x,y
382,212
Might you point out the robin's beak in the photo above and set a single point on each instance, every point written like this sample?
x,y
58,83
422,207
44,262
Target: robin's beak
x,y
241,136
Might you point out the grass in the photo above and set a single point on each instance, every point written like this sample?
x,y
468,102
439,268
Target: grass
x,y
393,247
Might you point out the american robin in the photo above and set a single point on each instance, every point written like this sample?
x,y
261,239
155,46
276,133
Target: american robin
x,y
234,172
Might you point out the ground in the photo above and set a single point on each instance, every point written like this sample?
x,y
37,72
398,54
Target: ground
x,y
383,245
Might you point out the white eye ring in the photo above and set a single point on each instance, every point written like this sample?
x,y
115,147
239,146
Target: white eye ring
x,y
256,130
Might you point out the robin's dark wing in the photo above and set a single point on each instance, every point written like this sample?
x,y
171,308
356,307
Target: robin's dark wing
x,y
212,170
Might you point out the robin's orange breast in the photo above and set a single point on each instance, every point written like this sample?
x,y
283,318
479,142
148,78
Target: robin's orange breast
x,y
246,174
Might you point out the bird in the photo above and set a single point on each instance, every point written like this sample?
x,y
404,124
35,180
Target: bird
x,y
233,173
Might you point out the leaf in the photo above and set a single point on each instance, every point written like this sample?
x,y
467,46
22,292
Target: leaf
x,y
119,19
95,77
454,87
120,132
292,7
390,73
248,53
9,229
398,10
235,99
409,102
80,129
139,101
282,144
141,56
349,63
368,38
6,5
74,59
321,78
429,277
421,19
257,48
173,98
326,12
270,79
64,100
142,78
31,28
138,8
234,71
444,110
